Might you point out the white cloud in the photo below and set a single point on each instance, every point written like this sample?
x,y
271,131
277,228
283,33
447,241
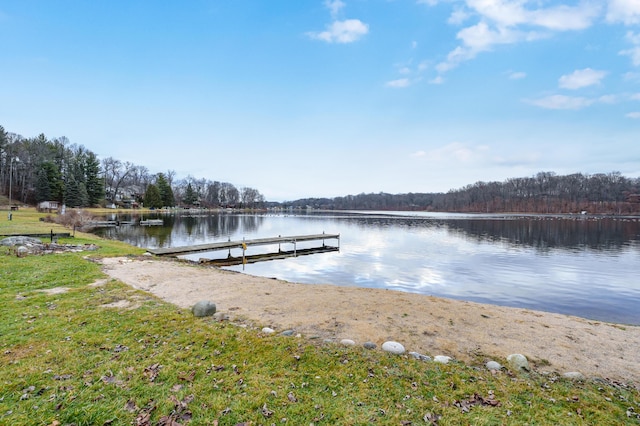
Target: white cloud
x,y
480,37
458,16
635,97
513,12
561,102
475,39
581,78
634,115
510,21
634,54
437,80
502,12
608,99
517,75
399,83
565,18
334,6
454,58
632,37
625,11
346,31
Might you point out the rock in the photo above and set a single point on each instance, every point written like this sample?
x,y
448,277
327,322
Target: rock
x,y
18,241
287,333
393,347
369,345
574,375
347,342
267,330
204,308
442,359
518,362
22,251
493,366
421,357
220,316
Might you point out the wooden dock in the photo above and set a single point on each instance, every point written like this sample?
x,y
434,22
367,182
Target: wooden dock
x,y
152,222
243,244
255,258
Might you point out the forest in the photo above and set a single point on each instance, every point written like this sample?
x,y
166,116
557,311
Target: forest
x,y
40,169
546,193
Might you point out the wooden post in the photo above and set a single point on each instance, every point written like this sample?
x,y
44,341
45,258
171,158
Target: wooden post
x,y
244,249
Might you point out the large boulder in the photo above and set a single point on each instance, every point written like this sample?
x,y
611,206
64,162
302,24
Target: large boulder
x,y
19,241
518,362
204,308
393,347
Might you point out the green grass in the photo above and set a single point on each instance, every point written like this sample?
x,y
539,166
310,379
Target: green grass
x,y
66,358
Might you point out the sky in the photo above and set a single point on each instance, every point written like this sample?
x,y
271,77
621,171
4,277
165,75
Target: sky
x,y
313,98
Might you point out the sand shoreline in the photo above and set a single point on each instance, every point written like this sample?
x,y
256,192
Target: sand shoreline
x,y
430,325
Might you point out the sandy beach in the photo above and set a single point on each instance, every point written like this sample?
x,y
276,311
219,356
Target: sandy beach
x,y
429,325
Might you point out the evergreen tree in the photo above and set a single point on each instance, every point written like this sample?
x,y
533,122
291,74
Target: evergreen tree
x,y
190,196
43,191
94,182
83,196
75,193
152,197
166,193
49,185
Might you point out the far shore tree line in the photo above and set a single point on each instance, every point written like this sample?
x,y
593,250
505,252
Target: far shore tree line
x,y
41,169
544,193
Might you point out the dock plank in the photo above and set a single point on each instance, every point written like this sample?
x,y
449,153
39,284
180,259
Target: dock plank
x,y
226,245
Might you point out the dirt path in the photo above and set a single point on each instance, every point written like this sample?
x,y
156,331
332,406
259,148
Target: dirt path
x,y
425,324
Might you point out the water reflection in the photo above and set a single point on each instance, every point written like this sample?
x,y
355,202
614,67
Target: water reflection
x,y
546,233
575,265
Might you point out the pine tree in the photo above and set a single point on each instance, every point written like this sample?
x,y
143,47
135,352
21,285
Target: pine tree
x,y
75,193
43,191
94,183
166,193
49,185
190,196
152,198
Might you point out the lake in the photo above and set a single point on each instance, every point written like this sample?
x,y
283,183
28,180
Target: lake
x,y
578,265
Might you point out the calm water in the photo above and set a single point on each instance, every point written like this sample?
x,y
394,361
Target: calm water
x,y
582,266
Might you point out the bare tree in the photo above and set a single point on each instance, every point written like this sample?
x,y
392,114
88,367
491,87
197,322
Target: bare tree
x,y
116,174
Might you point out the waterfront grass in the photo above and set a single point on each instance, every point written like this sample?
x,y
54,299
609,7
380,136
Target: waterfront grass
x,y
102,353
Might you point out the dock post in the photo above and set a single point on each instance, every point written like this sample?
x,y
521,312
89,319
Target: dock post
x,y
244,249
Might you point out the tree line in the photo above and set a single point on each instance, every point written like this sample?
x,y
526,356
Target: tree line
x,y
546,192
40,169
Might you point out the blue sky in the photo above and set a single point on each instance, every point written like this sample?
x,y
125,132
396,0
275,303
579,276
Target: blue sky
x,y
328,98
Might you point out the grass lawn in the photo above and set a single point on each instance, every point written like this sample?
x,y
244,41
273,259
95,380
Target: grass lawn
x,y
85,357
